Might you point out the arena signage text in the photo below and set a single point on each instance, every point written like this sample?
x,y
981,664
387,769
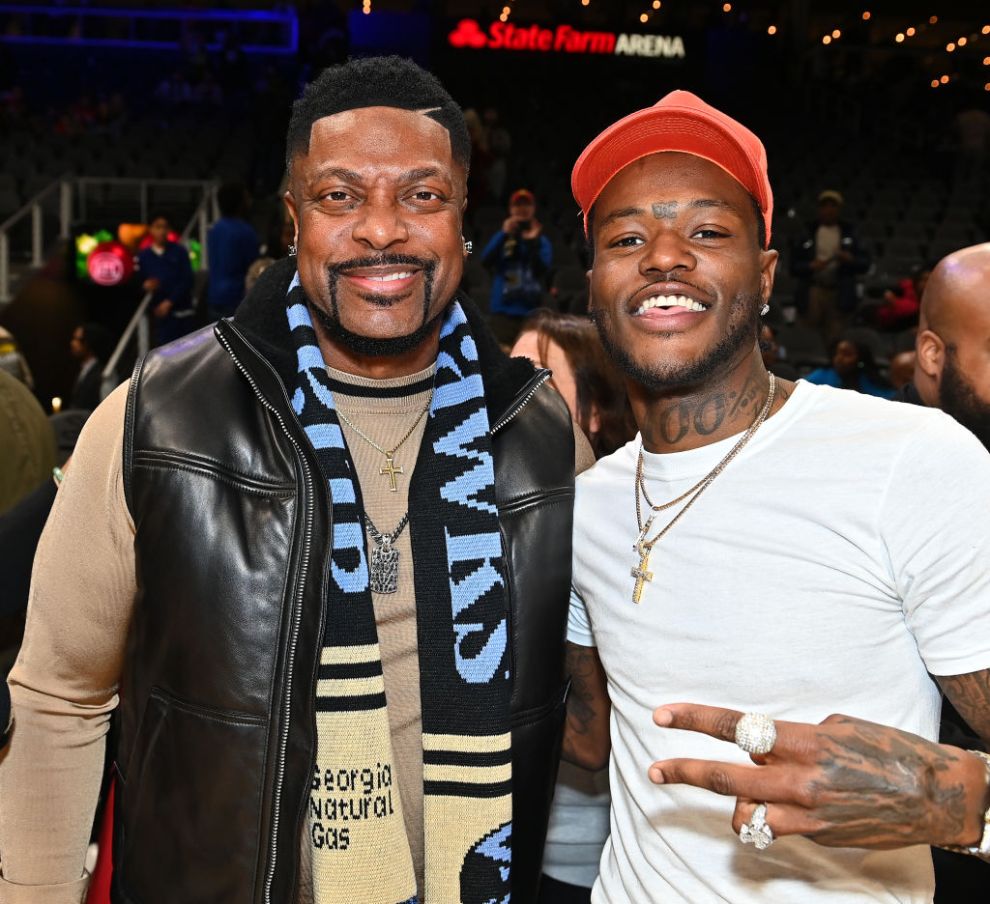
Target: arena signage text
x,y
563,39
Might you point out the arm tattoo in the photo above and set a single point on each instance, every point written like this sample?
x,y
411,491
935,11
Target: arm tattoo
x,y
586,737
583,666
970,694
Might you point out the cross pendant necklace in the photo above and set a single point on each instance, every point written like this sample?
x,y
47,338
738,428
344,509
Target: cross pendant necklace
x,y
640,572
391,470
388,469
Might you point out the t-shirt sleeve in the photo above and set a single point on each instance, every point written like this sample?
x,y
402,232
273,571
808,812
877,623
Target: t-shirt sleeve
x,y
578,624
935,521
64,683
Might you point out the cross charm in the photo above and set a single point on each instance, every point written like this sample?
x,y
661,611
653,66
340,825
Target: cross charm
x,y
391,470
640,573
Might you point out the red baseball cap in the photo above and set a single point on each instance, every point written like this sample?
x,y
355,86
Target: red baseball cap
x,y
522,196
682,122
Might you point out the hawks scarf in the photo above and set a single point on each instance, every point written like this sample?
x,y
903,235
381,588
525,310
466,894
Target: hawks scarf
x,y
360,849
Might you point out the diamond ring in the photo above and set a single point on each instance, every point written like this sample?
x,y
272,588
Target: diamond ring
x,y
756,733
756,831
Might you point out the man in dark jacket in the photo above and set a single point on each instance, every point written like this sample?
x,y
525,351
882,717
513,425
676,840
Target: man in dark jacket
x,y
167,273
91,345
826,261
330,577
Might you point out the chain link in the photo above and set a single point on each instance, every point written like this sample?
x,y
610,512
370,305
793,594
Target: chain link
x,y
388,453
698,488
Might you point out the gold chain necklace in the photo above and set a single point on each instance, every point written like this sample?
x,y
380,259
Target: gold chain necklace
x,y
388,469
643,547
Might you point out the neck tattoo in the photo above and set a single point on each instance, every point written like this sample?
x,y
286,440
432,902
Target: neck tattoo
x,y
643,546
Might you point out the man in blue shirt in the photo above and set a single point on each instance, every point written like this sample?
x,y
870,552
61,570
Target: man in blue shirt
x,y
167,273
520,256
233,246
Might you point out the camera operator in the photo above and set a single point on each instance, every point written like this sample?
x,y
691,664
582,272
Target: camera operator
x,y
519,256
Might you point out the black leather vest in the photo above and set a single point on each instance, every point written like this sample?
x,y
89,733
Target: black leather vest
x,y
217,728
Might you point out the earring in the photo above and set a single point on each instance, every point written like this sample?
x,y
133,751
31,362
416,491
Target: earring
x,y
292,250
765,309
468,246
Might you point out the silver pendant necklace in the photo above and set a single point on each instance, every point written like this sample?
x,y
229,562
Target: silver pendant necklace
x,y
385,557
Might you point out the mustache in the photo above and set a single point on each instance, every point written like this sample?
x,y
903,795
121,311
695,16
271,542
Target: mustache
x,y
380,260
675,280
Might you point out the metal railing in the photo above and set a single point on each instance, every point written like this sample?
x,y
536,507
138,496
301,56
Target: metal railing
x,y
138,324
35,210
207,211
78,189
84,183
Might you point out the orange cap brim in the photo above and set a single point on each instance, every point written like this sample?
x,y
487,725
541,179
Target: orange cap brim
x,y
701,131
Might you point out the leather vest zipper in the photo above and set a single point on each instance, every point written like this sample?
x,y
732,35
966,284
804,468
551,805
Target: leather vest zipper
x,y
295,613
522,399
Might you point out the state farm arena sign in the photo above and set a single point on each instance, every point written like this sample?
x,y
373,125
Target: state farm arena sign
x,y
563,39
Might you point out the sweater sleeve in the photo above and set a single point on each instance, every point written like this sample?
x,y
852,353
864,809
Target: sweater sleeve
x,y
64,683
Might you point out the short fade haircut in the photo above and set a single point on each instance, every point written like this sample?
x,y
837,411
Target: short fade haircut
x,y
388,81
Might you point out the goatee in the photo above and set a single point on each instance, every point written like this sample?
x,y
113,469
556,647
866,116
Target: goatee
x,y
659,377
368,346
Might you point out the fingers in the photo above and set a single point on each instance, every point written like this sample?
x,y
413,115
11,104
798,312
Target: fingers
x,y
783,819
710,720
795,741
729,779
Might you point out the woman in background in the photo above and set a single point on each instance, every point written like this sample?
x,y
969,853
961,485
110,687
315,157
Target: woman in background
x,y
569,346
579,821
852,367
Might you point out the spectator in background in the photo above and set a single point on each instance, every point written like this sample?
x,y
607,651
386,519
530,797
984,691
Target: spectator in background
x,y
902,370
27,443
569,346
232,245
852,367
953,369
772,354
826,262
900,306
12,361
167,273
91,345
519,256
951,372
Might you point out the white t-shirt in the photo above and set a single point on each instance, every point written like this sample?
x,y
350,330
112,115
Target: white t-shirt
x,y
837,561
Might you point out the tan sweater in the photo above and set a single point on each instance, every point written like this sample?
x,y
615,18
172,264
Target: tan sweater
x,y
64,684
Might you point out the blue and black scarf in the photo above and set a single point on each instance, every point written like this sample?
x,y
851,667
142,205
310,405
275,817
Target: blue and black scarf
x,y
360,849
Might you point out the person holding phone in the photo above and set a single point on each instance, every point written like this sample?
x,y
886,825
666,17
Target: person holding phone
x,y
519,255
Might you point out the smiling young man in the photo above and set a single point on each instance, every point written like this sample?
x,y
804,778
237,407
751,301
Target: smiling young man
x,y
779,550
329,581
